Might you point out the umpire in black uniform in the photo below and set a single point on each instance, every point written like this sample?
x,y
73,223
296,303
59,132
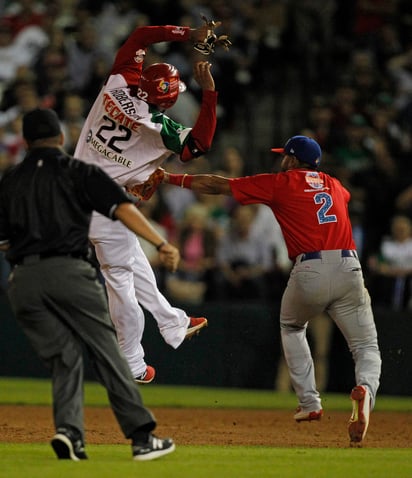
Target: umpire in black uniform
x,y
46,203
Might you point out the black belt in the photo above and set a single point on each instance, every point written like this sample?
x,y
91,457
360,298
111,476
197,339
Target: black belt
x,y
34,258
307,256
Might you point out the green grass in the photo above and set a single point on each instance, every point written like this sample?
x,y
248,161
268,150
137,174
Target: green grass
x,y
38,392
114,461
36,461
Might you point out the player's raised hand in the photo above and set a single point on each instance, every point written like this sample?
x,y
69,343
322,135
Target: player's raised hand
x,y
203,75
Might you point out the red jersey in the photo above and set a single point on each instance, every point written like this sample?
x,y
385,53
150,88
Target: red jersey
x,y
310,206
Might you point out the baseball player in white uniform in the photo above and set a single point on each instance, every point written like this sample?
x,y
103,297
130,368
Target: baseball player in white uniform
x,y
128,135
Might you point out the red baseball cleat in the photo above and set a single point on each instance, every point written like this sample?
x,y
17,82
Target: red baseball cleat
x,y
195,324
147,376
301,416
359,421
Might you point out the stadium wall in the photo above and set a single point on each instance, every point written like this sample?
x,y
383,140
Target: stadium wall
x,y
240,349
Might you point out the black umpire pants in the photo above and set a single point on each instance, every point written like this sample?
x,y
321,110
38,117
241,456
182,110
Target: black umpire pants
x,y
61,306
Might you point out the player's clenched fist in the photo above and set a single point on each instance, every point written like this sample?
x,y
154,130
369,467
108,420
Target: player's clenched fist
x,y
169,256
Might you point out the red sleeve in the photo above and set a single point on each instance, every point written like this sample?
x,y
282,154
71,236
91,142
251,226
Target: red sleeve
x,y
130,57
254,189
200,138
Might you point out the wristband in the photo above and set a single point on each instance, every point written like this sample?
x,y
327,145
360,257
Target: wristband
x,y
187,181
161,245
182,184
182,180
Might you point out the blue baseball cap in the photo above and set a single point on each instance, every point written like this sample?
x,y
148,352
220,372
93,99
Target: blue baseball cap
x,y
307,150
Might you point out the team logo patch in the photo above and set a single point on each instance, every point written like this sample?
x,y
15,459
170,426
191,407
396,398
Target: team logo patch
x,y
139,56
314,180
163,86
178,31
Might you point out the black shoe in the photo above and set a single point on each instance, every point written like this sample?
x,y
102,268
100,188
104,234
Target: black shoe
x,y
67,446
153,448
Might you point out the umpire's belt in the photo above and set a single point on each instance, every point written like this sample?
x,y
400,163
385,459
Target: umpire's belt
x,y
34,258
307,256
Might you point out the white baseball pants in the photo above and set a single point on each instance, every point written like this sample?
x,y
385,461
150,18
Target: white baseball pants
x,y
130,284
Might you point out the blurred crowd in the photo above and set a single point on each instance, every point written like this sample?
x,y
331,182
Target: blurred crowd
x,y
337,70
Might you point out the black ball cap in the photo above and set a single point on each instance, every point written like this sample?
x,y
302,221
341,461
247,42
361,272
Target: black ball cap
x,y
41,123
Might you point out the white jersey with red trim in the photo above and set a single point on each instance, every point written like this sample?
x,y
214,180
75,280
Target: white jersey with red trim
x,y
126,137
129,139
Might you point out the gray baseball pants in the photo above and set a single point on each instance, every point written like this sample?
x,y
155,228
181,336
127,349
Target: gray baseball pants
x,y
62,309
335,285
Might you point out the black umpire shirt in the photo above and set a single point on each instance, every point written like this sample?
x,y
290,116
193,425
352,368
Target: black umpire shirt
x,y
46,203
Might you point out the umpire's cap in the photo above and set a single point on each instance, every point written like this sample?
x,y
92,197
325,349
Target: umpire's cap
x,y
41,123
306,150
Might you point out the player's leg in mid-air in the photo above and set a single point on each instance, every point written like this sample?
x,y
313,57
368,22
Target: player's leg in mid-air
x,y
174,323
113,244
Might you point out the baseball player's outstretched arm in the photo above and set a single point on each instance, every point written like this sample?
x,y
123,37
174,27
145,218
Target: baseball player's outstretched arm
x,y
200,183
132,218
134,48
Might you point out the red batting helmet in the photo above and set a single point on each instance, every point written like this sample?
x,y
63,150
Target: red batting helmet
x,y
160,85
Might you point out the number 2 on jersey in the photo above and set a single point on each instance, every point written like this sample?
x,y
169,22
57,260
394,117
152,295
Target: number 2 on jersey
x,y
326,202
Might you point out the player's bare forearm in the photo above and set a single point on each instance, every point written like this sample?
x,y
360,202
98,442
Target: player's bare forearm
x,y
5,246
210,184
132,218
200,183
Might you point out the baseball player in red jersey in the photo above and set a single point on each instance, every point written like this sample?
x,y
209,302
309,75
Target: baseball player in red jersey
x,y
127,134
312,210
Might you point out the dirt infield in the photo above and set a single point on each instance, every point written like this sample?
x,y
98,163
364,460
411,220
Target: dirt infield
x,y
28,424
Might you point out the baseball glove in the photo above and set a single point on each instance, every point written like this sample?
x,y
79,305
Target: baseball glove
x,y
208,45
145,190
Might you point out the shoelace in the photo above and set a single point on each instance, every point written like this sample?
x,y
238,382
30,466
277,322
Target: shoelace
x,y
157,443
142,377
